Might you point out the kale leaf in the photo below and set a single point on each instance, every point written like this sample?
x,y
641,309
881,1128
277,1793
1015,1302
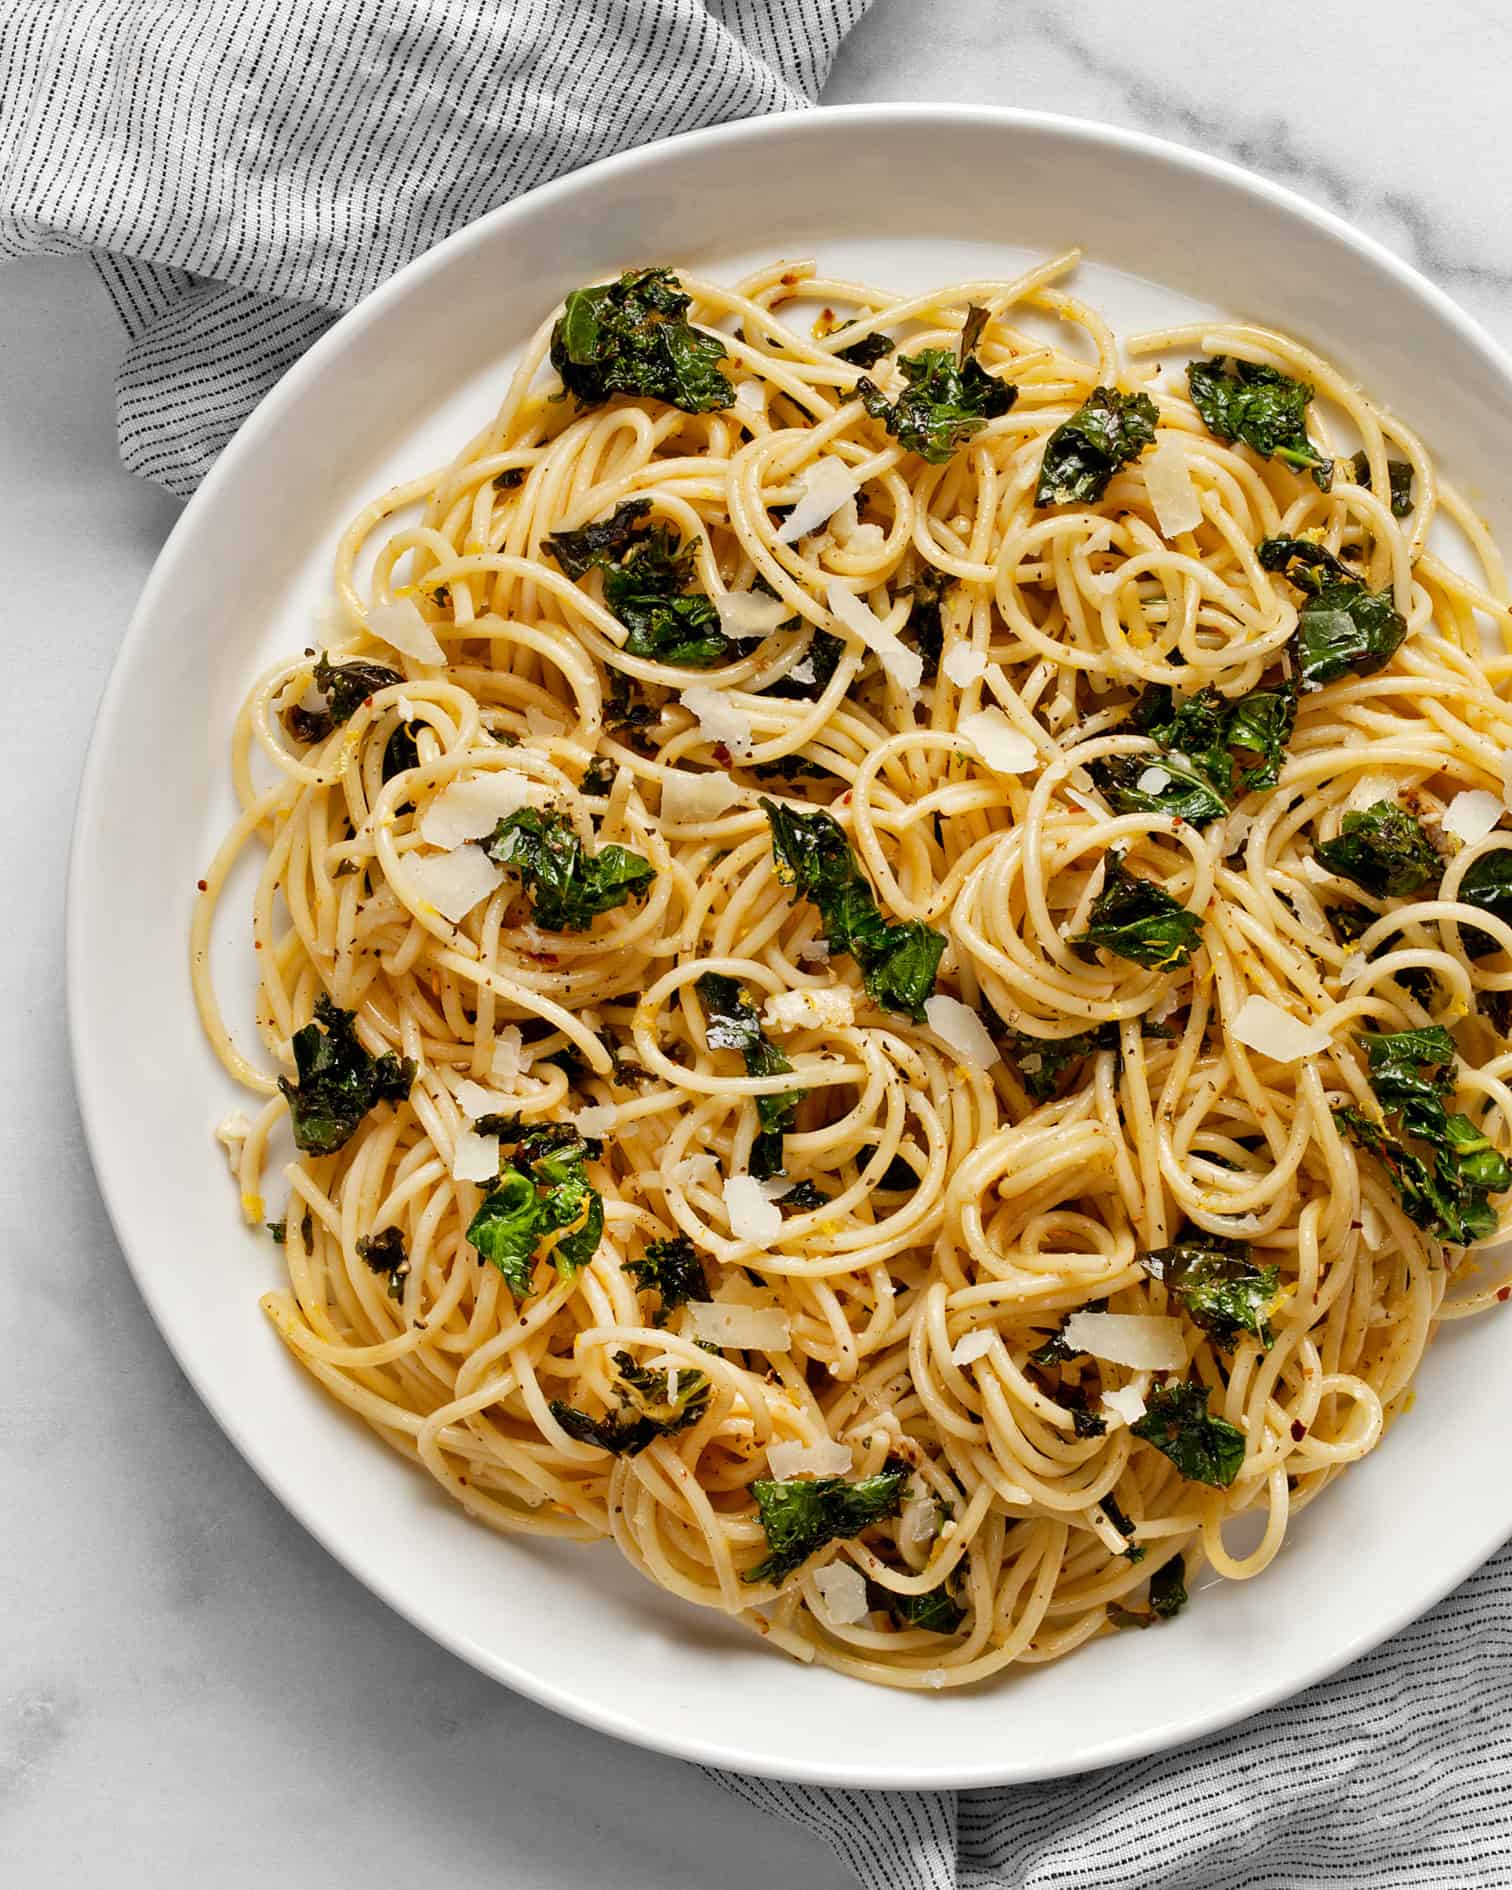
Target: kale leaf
x,y
384,1253
648,1409
632,337
1399,475
647,570
824,653
1411,1072
898,960
338,1082
1215,750
732,1024
598,776
1168,1595
925,628
1215,1280
1042,1062
1135,1551
1383,849
568,888
543,1191
345,686
672,1269
867,350
1106,432
801,1515
1177,1422
948,398
1344,627
1140,921
1487,884
937,1610
1266,409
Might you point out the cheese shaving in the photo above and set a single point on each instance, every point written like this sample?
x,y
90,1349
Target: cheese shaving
x,y
688,798
973,1346
1470,816
1127,1406
903,665
959,1026
826,486
475,1157
794,1458
472,806
750,613
453,883
508,1052
832,1009
745,1328
399,624
842,1593
1003,747
719,720
1263,1026
963,665
1145,1342
1168,480
752,1215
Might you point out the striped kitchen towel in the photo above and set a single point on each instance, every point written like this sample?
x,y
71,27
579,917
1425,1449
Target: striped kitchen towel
x,y
243,171
1394,1775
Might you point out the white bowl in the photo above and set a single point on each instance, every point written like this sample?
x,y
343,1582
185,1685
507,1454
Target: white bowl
x,y
907,195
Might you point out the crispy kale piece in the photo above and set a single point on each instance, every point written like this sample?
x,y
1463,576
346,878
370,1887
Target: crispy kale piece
x,y
1266,409
1168,1595
925,628
801,1515
1106,432
1217,1283
338,1081
898,960
568,887
384,1253
647,570
1344,628
731,1023
1487,883
1399,476
671,1269
543,1191
345,686
1042,1063
632,337
947,399
1204,1448
1447,1191
1140,921
937,1610
1214,750
1383,849
649,1407
867,350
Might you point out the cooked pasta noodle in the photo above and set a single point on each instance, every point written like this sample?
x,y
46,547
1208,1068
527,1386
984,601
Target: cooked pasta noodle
x,y
974,1178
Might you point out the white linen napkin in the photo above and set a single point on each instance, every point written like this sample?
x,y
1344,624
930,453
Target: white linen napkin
x,y
243,171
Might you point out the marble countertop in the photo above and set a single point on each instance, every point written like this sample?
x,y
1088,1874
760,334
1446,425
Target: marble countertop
x,y
191,1691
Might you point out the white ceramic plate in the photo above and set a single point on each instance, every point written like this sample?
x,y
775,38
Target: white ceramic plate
x,y
908,196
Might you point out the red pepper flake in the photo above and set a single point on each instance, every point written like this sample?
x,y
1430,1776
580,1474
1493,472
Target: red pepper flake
x,y
1504,1292
1299,1430
789,279
257,944
722,754
845,798
367,702
203,884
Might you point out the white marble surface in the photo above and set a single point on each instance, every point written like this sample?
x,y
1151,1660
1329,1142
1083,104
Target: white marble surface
x,y
191,1692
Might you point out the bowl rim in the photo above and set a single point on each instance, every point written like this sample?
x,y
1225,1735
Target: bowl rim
x,y
265,419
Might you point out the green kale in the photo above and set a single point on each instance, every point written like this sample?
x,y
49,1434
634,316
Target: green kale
x,y
338,1082
925,628
1266,409
647,570
947,399
1042,1062
802,1197
792,768
632,337
824,653
1447,1192
598,776
400,751
568,888
801,1515
937,1610
1085,1422
279,1231
1487,884
867,350
898,960
648,1409
1383,849
543,1191
1218,1285
628,713
1168,1595
345,686
731,1023
1215,750
384,1253
1343,628
1184,795
1135,1551
1398,473
1204,1448
671,1269
1106,432
1140,921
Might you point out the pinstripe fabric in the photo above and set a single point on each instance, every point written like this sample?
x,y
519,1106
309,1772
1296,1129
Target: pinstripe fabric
x,y
1395,1775
242,172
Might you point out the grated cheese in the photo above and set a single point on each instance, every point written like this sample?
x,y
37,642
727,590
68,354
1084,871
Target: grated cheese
x,y
1153,780
472,806
596,1120
1145,1342
1275,1033
475,1157
904,666
453,883
975,1345
832,1009
1004,749
400,625
474,1100
694,1168
826,486
959,1026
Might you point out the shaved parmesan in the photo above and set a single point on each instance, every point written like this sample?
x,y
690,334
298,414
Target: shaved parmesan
x,y
865,540
919,1522
401,626
845,521
474,1101
475,1157
751,396
719,719
998,742
804,671
962,664
1275,1033
748,1328
596,1120
1471,816
842,1594
453,883
1168,480
826,486
1369,789
1153,781
959,1026
975,1345
1237,831
832,1009
1145,1342
473,806
903,665
752,1215
750,613
507,1054
1353,965
694,1168
1372,1227
1127,1405
827,1458
694,797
